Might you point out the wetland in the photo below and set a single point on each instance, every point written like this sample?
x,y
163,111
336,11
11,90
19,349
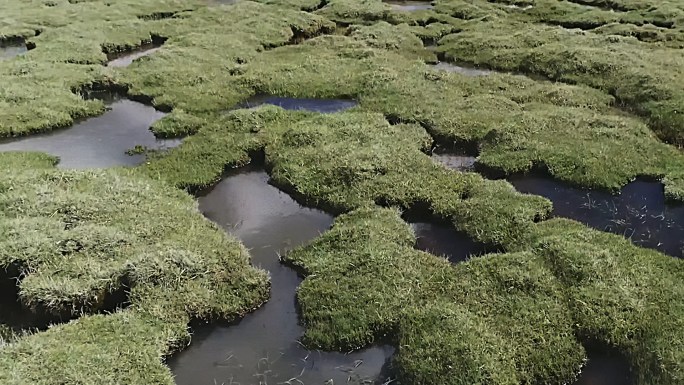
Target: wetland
x,y
262,192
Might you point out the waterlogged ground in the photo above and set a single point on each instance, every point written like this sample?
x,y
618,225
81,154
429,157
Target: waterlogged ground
x,y
510,258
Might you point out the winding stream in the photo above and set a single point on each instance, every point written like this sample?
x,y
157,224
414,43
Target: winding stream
x,y
263,348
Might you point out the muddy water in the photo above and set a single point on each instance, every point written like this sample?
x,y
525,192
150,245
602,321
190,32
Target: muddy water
x,y
9,50
124,60
325,106
263,348
443,240
638,213
409,6
467,71
100,141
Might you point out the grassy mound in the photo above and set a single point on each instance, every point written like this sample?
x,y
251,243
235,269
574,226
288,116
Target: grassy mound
x,y
643,77
387,164
95,241
498,319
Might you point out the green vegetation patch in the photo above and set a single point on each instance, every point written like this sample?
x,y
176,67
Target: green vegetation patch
x,y
347,160
498,319
83,242
644,78
197,67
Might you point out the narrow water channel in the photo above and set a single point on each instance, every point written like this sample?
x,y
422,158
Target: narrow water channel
x,y
263,348
100,141
127,58
409,6
467,71
639,212
324,106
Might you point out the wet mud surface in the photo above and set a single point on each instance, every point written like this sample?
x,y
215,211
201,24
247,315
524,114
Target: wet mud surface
x,y
409,6
11,49
263,348
639,212
126,59
324,106
100,141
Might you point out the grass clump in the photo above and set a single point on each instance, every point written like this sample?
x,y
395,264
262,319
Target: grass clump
x,y
197,68
621,295
355,11
38,97
309,155
126,347
436,313
84,242
642,77
13,161
511,318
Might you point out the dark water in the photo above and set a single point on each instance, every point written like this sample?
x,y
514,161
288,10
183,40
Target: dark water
x,y
10,49
605,367
325,106
467,71
100,141
638,213
408,6
263,348
443,240
125,59
455,161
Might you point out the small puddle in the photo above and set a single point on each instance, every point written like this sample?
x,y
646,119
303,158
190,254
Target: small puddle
x,y
467,71
410,6
443,240
100,141
324,106
454,160
605,367
638,213
126,58
10,49
263,348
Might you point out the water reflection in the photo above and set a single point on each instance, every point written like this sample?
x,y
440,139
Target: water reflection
x,y
100,141
125,59
263,347
638,213
443,240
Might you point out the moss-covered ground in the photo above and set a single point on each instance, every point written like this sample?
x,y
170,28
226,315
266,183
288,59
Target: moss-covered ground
x,y
126,256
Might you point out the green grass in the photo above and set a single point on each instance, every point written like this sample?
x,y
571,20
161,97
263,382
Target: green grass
x,y
644,78
387,164
498,319
75,238
79,237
